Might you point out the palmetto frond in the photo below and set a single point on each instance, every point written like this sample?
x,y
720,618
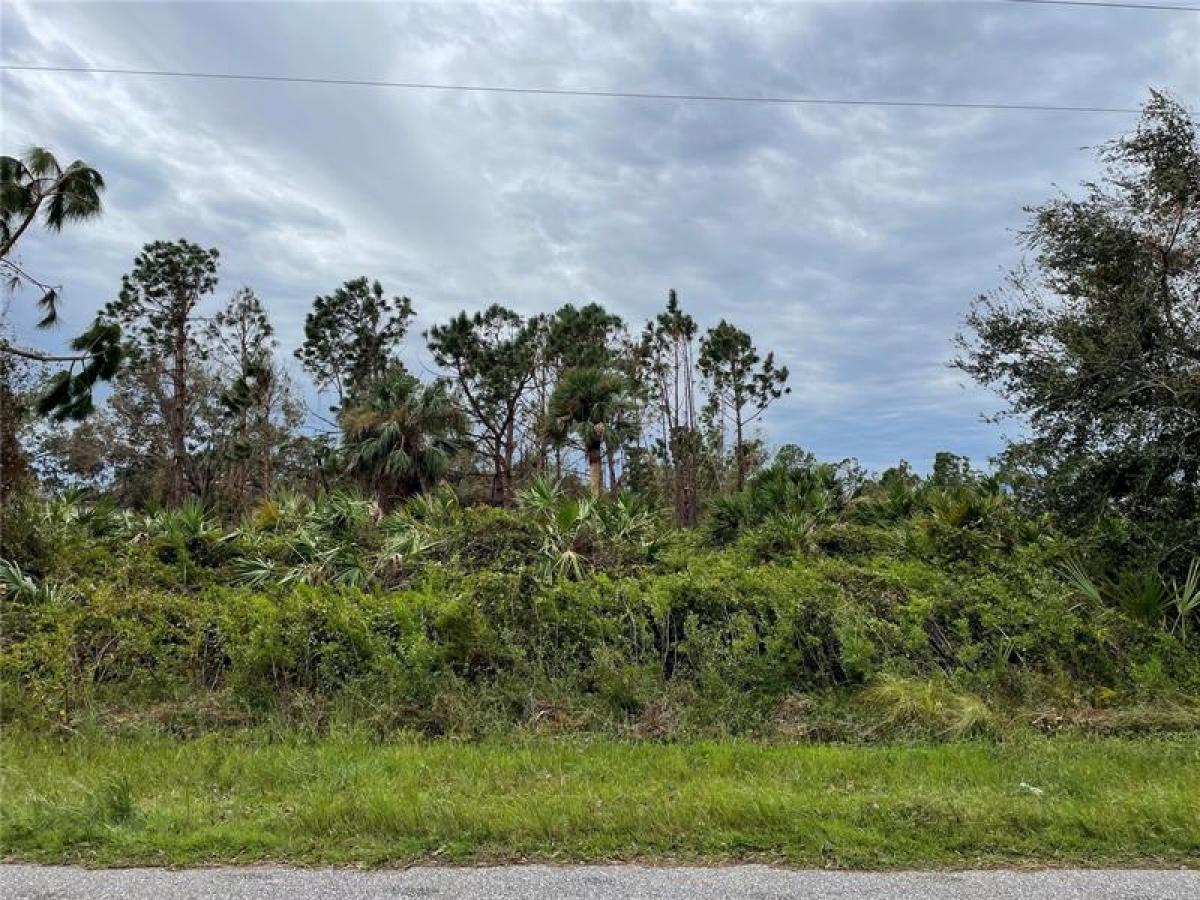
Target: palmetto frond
x,y
1145,595
403,436
257,571
1079,578
188,521
344,513
580,532
541,495
16,189
403,547
1185,597
436,508
893,502
15,585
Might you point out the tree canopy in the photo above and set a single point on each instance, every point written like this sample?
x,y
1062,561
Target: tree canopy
x,y
1096,343
743,383
351,337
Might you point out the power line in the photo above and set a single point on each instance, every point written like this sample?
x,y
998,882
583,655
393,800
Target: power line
x,y
1102,3
564,92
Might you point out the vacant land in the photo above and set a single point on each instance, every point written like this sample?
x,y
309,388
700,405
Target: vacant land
x,y
250,796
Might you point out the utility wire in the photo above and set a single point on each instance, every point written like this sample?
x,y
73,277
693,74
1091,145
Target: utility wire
x,y
564,92
1151,6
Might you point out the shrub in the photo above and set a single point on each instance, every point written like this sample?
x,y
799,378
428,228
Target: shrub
x,y
447,620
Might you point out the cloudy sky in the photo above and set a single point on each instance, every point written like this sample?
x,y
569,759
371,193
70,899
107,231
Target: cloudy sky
x,y
848,239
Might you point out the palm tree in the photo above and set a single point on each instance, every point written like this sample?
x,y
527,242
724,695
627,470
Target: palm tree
x,y
36,180
590,403
36,183
402,436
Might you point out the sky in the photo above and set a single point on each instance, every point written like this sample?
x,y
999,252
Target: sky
x,y
849,240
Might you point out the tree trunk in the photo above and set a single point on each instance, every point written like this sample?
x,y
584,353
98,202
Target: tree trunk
x,y
15,236
596,470
498,487
177,424
682,472
739,455
268,466
510,452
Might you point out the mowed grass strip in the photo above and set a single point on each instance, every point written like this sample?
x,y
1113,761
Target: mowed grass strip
x,y
244,798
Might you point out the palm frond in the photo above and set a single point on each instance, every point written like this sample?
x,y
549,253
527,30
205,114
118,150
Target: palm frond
x,y
1075,574
40,163
1185,597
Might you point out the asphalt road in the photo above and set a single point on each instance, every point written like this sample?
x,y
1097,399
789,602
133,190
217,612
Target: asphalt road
x,y
19,882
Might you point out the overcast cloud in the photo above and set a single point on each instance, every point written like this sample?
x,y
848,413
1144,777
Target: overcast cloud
x,y
847,239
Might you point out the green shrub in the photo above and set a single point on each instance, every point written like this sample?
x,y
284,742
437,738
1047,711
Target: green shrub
x,y
442,620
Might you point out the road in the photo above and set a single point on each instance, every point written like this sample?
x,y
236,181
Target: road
x,y
20,882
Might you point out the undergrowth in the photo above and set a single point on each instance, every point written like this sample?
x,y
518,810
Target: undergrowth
x,y
809,606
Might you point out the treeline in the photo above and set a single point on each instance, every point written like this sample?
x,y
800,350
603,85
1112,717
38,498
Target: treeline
x,y
202,406
1092,342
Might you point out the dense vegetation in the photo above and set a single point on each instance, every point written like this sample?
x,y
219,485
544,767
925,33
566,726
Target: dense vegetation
x,y
576,527
808,606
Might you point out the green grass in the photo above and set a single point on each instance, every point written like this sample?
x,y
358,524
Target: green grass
x,y
245,797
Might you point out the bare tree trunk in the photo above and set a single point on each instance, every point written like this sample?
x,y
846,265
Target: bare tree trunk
x,y
596,470
685,476
268,465
739,453
177,422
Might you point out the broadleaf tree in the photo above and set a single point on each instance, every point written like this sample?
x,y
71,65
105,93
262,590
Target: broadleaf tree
x,y
1096,343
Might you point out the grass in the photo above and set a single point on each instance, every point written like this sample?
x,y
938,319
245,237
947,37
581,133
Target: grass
x,y
340,800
